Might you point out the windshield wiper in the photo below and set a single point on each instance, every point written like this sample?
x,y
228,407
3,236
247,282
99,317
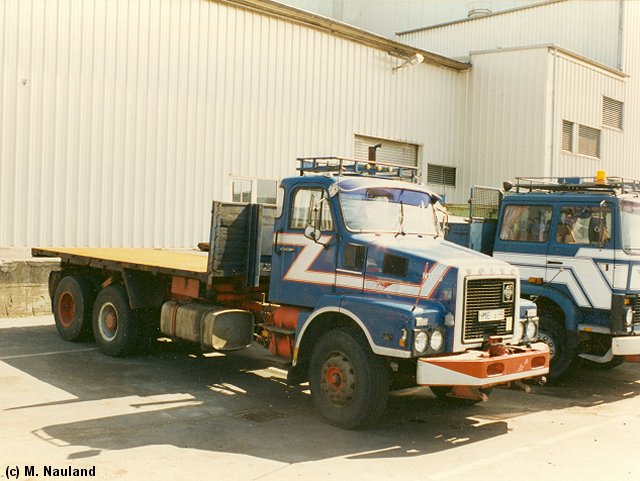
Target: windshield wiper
x,y
401,221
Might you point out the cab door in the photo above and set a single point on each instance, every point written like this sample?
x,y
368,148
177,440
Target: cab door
x,y
581,255
303,269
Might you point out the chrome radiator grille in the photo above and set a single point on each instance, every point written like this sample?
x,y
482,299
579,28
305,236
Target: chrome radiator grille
x,y
636,310
486,295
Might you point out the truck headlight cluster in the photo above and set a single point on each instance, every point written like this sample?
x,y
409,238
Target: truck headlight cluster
x,y
628,319
432,340
529,329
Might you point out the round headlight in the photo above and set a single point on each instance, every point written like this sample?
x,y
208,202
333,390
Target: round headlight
x,y
420,342
531,330
437,340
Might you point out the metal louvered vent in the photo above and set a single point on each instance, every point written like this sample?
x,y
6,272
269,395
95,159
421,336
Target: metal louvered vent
x,y
395,265
588,141
612,113
440,174
567,136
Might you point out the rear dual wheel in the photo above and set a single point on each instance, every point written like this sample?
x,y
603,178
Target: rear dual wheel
x,y
72,306
115,325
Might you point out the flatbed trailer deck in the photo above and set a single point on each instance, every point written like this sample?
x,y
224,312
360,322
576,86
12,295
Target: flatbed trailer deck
x,y
155,261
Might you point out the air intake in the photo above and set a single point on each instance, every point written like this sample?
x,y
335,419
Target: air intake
x,y
395,265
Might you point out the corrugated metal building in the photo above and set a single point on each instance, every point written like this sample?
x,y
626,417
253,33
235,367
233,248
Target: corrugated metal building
x,y
120,121
553,89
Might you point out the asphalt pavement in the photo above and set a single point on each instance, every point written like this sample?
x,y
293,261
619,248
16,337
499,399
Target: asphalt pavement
x,y
174,413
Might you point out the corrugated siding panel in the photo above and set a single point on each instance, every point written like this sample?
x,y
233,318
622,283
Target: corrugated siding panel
x,y
583,26
121,121
579,99
504,122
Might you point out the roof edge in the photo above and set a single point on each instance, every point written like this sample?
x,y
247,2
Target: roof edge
x,y
562,50
334,27
493,14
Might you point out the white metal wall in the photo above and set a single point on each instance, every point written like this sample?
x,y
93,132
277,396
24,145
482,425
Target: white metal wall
x,y
505,115
574,92
587,27
580,88
120,121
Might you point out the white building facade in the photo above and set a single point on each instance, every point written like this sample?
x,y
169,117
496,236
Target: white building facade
x,y
121,121
553,89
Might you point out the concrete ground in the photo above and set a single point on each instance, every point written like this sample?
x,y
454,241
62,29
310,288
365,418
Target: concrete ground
x,y
176,414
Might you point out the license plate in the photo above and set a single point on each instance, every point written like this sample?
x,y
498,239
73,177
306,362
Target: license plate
x,y
491,315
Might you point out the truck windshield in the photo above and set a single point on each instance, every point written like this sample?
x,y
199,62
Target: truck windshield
x,y
630,220
388,210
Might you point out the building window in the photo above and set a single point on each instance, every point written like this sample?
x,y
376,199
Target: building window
x,y
612,113
262,191
441,175
588,141
567,136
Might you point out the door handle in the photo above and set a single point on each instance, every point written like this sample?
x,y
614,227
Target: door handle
x,y
557,263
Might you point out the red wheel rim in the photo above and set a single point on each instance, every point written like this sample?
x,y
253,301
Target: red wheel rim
x,y
334,378
66,309
338,379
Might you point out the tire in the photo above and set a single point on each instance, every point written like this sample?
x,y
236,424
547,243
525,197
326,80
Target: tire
x,y
115,326
72,306
563,352
442,393
349,384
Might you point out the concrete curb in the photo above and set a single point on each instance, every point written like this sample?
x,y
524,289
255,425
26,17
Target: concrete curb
x,y
24,286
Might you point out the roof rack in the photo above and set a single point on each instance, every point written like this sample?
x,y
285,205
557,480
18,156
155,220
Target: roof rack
x,y
616,185
345,166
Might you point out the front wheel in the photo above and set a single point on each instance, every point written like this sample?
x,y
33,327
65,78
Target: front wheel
x,y
563,354
349,383
115,326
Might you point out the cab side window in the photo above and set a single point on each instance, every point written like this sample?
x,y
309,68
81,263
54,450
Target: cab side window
x,y
306,205
526,223
586,225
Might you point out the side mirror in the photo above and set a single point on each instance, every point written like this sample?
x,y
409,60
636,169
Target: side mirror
x,y
313,233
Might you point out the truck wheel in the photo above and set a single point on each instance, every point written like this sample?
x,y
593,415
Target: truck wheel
x,y
114,322
72,305
563,357
349,384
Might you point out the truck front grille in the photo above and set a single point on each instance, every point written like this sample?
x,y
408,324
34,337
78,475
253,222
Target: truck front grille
x,y
483,295
636,309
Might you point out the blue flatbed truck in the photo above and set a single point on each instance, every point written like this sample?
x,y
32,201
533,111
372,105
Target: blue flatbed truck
x,y
348,279
576,243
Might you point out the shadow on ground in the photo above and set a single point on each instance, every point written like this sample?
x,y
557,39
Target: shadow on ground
x,y
238,404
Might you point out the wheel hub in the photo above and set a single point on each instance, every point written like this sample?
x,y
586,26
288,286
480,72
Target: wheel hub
x,y
549,341
66,309
338,379
108,321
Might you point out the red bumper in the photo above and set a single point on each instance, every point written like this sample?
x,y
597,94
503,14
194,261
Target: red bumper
x,y
480,369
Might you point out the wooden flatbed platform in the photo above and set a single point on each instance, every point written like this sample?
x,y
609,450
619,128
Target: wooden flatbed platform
x,y
151,260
